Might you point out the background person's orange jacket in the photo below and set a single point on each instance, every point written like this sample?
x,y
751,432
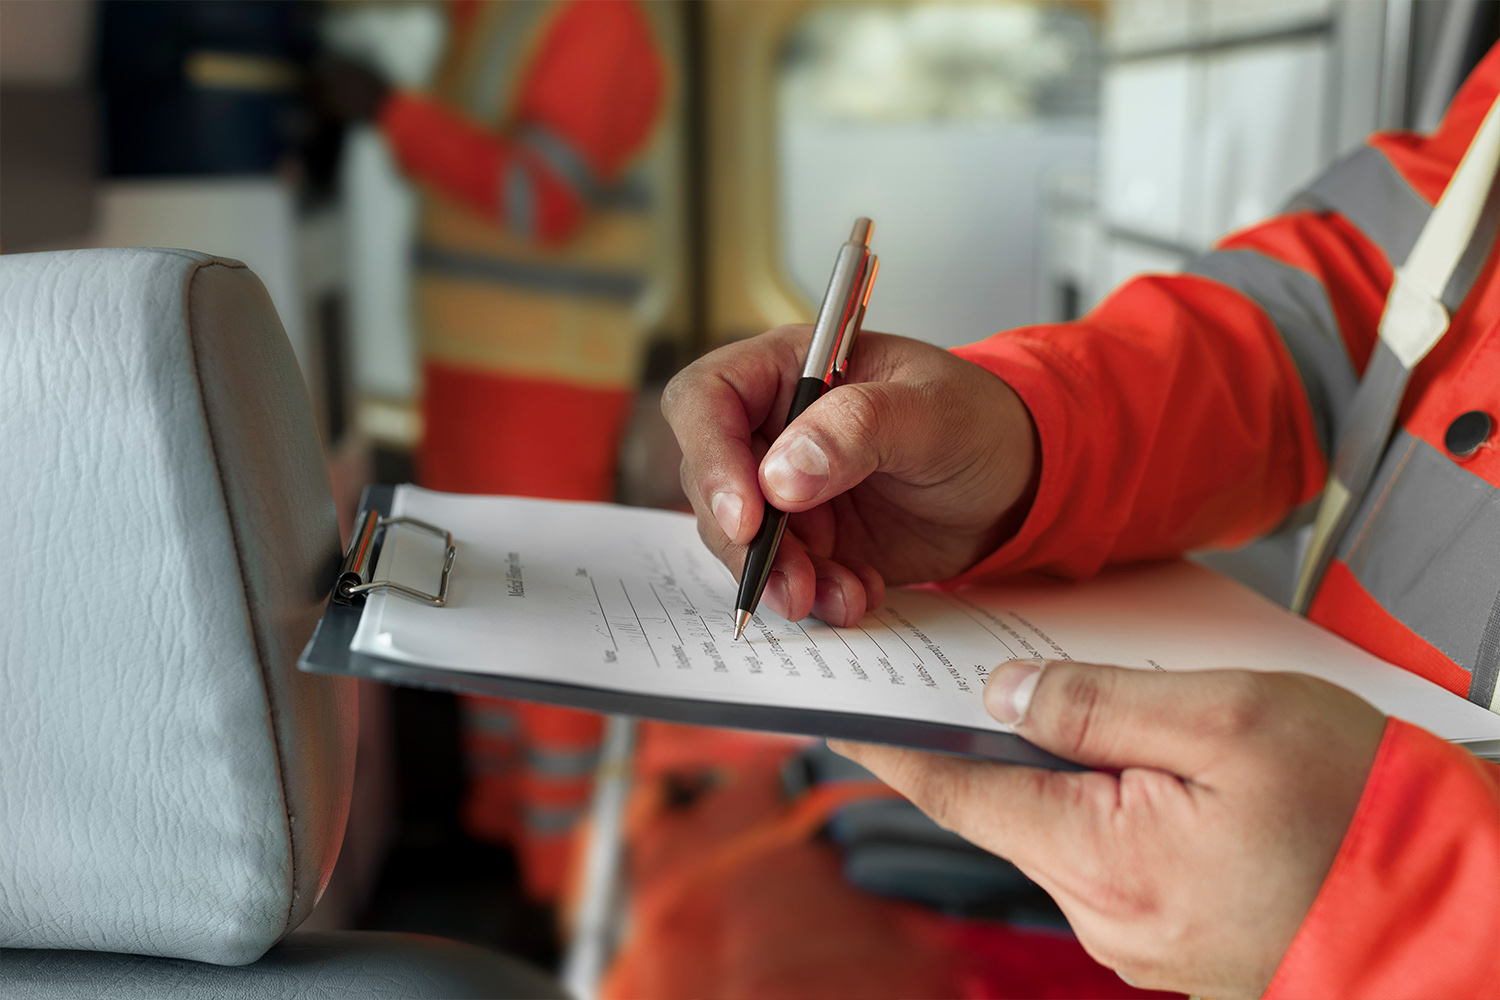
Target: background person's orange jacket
x,y
1200,409
541,229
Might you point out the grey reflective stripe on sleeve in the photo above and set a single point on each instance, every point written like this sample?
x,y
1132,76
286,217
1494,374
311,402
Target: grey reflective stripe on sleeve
x,y
562,764
1364,188
551,820
563,158
617,286
519,198
1298,305
496,722
1425,544
569,164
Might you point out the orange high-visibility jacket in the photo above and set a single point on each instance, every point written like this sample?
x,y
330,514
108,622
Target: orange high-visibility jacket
x,y
585,86
541,238
543,245
1201,410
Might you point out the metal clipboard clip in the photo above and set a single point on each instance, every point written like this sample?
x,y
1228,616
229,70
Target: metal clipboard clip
x,y
354,575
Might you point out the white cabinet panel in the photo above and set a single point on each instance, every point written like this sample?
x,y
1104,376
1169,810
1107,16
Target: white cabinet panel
x,y
251,219
381,222
958,210
1141,25
1146,138
1262,134
1124,259
1225,19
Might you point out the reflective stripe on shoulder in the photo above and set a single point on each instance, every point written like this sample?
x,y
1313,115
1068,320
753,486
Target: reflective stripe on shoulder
x,y
1364,188
503,58
1298,305
1425,543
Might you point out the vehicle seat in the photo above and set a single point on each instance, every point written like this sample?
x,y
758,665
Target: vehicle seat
x,y
173,790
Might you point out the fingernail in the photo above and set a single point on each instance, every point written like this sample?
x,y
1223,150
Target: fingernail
x,y
797,469
727,509
777,594
1007,693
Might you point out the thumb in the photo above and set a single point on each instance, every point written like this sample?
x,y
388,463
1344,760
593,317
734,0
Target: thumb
x,y
1114,718
853,431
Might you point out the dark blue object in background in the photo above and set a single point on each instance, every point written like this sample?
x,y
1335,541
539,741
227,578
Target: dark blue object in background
x,y
209,87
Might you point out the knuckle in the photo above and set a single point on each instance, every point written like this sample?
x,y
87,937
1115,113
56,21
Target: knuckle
x,y
1078,718
676,388
1243,706
942,801
942,806
857,412
1119,899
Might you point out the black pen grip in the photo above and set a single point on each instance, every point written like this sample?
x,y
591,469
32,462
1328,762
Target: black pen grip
x,y
762,551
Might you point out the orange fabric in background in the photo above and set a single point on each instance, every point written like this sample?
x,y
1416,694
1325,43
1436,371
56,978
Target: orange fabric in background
x,y
596,81
592,79
736,896
491,433
559,440
544,851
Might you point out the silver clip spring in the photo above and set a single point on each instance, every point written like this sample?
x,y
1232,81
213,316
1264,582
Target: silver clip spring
x,y
354,575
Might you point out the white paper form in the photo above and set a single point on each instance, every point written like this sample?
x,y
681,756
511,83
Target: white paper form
x,y
629,600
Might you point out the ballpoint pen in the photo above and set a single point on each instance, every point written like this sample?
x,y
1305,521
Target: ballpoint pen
x,y
838,324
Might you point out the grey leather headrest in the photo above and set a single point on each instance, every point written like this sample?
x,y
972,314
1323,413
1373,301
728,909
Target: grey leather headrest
x,y
170,784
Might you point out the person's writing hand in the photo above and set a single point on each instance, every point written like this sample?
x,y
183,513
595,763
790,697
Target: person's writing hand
x,y
913,468
1190,861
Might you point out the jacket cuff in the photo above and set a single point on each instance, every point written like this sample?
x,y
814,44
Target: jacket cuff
x,y
1051,389
1411,905
405,119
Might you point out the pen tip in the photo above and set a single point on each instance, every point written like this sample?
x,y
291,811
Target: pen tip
x,y
741,619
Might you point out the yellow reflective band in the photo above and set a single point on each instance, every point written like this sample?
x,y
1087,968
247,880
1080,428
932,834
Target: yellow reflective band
x,y
235,71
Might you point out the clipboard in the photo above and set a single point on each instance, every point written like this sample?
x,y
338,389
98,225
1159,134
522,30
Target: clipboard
x,y
328,652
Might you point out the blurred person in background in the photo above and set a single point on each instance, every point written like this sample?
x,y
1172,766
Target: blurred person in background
x,y
536,242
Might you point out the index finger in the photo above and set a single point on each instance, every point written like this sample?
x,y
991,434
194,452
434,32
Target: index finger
x,y
1037,818
714,406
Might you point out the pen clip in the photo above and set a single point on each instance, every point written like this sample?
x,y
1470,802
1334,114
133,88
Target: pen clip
x,y
866,285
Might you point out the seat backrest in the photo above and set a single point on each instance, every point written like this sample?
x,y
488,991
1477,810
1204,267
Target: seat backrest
x,y
170,783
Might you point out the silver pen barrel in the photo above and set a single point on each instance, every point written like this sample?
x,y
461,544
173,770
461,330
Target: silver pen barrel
x,y
841,303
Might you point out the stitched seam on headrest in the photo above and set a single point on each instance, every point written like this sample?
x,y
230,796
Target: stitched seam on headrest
x,y
239,565
202,259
